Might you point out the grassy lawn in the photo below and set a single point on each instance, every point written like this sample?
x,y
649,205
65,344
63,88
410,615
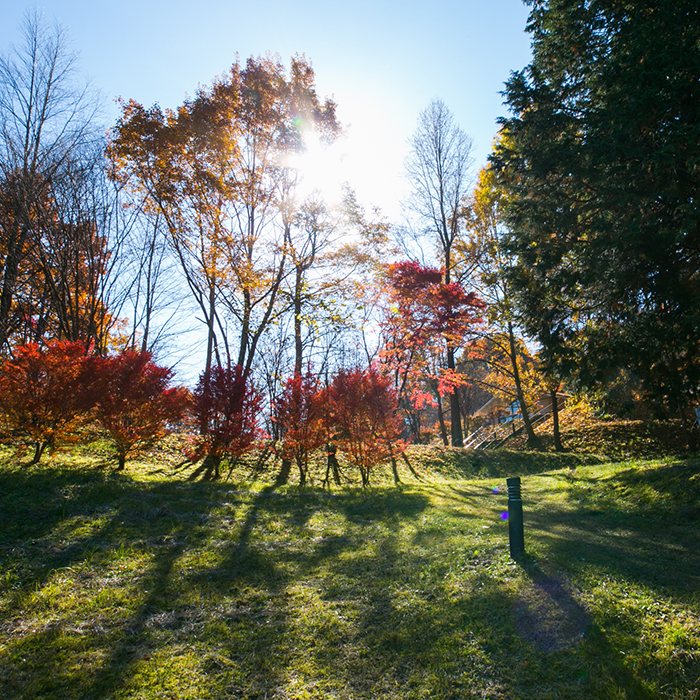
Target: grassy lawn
x,y
144,585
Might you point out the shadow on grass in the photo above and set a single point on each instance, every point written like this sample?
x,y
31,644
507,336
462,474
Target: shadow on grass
x,y
56,522
653,540
131,642
466,463
549,615
225,592
77,526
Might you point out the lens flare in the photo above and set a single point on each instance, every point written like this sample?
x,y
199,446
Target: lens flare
x,y
321,168
504,515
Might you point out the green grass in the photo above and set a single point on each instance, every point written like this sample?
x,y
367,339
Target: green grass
x,y
142,585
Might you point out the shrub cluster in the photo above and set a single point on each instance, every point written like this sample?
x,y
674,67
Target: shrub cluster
x,y
51,393
357,412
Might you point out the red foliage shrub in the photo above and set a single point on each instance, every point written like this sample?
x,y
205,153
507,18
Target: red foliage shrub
x,y
300,412
362,407
136,402
226,410
45,394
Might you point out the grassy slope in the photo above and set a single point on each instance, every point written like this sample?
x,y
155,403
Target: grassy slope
x,y
612,439
142,586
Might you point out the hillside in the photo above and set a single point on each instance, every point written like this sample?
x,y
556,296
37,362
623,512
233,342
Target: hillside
x,y
609,438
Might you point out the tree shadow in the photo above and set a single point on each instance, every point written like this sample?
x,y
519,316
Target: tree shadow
x,y
348,594
102,517
549,615
655,546
132,640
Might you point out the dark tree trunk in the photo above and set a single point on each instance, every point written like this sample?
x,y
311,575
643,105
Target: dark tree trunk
x,y
532,439
414,425
332,465
284,472
456,420
302,471
15,250
441,419
555,421
364,473
455,410
395,470
210,468
39,448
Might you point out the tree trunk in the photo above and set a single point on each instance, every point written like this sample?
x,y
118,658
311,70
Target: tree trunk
x,y
39,448
302,471
364,473
456,420
555,421
211,468
298,346
15,250
414,425
121,462
284,472
532,439
441,419
455,410
394,470
211,337
298,363
332,464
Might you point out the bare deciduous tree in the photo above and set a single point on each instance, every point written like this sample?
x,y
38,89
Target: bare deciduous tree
x,y
439,170
47,123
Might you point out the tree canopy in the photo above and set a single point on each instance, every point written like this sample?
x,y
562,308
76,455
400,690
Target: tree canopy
x,y
218,172
600,161
439,170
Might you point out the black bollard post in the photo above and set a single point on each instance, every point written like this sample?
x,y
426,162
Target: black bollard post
x,y
515,518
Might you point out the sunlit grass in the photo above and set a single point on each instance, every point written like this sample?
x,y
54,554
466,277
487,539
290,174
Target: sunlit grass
x,y
141,585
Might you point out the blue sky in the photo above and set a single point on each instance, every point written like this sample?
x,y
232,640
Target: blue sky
x,y
382,61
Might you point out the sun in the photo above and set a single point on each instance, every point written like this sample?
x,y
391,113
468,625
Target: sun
x,y
321,168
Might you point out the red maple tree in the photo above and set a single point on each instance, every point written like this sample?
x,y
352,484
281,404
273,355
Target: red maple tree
x,y
426,320
46,393
136,402
300,413
226,409
363,415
